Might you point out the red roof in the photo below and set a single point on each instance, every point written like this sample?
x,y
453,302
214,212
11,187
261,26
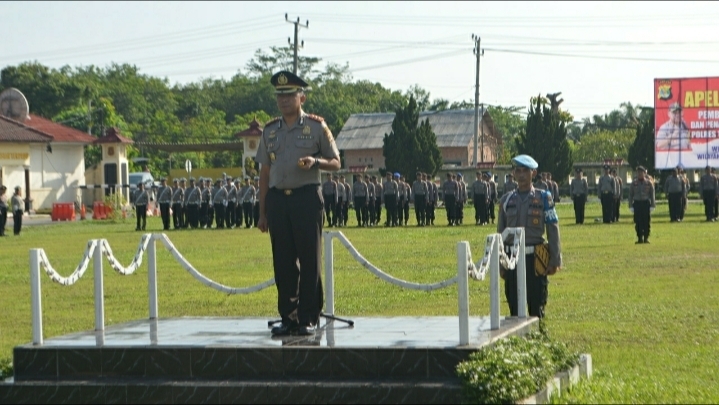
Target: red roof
x,y
113,136
13,131
58,132
254,130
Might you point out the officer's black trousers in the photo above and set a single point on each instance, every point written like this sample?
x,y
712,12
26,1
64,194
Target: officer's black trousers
x,y
372,212
141,214
580,201
203,214
537,292
3,220
642,219
238,213
716,206
295,225
339,211
329,200
256,213
430,212
378,209
607,207
615,207
709,196
17,222
230,214
390,204
247,212
361,210
490,208
675,206
403,209
420,209
450,203
480,208
193,214
177,215
210,214
165,215
220,215
345,211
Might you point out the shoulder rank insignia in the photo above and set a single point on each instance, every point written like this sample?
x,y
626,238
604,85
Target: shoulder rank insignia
x,y
315,118
272,121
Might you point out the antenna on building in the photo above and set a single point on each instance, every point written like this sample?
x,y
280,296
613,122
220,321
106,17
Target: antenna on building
x,y
13,105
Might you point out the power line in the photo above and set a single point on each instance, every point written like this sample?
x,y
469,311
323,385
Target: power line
x,y
602,57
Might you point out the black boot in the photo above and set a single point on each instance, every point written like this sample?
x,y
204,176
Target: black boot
x,y
639,239
646,239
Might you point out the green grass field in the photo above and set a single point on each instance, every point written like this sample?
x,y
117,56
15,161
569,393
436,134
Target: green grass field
x,y
648,314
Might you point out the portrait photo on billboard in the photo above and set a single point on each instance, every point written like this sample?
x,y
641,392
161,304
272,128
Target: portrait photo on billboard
x,y
686,126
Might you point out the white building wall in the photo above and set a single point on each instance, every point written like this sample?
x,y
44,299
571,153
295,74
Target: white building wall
x,y
54,177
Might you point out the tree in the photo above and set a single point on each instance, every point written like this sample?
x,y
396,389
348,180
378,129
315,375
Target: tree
x,y
545,139
509,124
597,146
281,58
48,91
641,153
411,146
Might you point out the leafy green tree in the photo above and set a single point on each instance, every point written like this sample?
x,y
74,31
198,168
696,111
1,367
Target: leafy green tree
x,y
281,58
509,124
411,146
641,152
597,146
48,91
545,139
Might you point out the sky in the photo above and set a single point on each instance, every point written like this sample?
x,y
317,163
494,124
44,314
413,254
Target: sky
x,y
598,54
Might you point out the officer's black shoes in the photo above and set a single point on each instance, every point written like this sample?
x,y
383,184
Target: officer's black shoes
x,y
306,330
646,240
284,329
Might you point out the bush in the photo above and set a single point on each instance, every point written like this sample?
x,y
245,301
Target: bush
x,y
6,370
513,368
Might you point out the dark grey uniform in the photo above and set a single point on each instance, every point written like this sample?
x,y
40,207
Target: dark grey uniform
x,y
3,209
674,189
450,194
164,195
361,198
642,201
294,208
142,198
330,197
480,191
219,200
534,211
418,196
605,189
390,193
247,197
708,188
578,190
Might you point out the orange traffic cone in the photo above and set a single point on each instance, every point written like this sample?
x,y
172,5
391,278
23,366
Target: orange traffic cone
x,y
82,211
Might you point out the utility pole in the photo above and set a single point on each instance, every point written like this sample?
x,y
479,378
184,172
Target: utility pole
x,y
478,51
295,45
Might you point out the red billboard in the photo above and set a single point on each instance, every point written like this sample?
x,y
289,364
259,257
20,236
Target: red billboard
x,y
686,122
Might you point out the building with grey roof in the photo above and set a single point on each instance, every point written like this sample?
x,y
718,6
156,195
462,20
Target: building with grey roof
x,y
362,137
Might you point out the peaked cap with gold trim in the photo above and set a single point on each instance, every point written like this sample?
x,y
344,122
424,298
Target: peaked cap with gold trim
x,y
287,83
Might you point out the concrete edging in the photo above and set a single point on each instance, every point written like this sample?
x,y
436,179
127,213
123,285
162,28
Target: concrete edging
x,y
562,381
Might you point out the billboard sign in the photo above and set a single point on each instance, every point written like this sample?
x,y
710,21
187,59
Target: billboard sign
x,y
686,122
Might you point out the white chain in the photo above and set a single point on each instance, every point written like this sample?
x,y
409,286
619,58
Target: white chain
x,y
79,270
136,261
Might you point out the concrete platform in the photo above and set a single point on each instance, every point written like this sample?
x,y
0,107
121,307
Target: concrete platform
x,y
377,360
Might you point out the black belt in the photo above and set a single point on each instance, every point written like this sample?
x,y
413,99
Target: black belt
x,y
302,189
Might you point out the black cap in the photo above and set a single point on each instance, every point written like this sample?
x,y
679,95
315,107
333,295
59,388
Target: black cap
x,y
288,83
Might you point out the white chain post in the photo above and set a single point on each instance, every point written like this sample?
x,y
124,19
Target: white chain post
x,y
494,282
522,277
463,292
152,277
99,287
35,297
329,274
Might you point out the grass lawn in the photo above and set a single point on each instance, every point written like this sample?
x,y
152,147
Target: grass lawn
x,y
648,314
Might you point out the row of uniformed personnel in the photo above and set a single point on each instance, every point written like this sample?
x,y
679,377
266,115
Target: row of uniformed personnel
x,y
228,204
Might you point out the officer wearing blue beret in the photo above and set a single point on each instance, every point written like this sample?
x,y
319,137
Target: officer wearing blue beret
x,y
531,209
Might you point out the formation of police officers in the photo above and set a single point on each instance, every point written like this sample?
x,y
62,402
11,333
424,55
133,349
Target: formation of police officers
x,y
230,203
234,204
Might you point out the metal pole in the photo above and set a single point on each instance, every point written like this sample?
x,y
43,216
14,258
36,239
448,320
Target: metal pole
x,y
152,277
329,274
35,297
297,28
521,277
463,292
476,102
99,287
494,282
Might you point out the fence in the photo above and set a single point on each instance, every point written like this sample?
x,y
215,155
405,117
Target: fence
x,y
97,248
